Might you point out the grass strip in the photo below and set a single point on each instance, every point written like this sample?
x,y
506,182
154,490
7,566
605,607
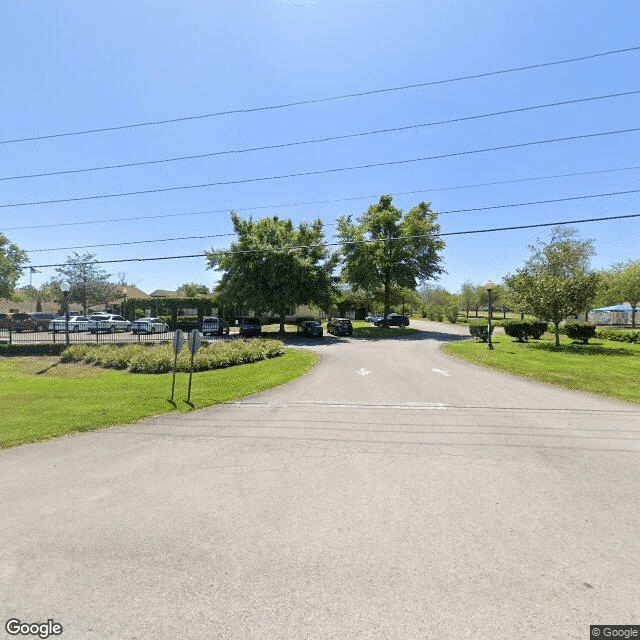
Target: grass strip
x,y
43,398
602,367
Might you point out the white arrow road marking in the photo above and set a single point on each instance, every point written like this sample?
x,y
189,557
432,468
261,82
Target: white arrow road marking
x,y
363,372
440,371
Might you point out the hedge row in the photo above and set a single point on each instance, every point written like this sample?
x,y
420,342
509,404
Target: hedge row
x,y
158,358
618,335
479,329
11,350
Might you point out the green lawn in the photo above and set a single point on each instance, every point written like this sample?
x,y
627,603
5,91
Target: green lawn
x,y
602,366
42,398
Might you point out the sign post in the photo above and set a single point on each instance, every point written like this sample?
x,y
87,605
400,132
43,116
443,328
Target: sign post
x,y
178,343
194,345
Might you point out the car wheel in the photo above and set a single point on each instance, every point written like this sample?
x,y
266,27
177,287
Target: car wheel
x,y
40,328
152,330
112,329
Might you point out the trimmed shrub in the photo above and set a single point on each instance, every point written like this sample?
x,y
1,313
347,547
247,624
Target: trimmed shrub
x,y
538,329
480,330
452,313
518,329
618,335
580,331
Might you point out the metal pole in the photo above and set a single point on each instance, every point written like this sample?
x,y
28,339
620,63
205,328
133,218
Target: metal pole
x,y
190,376
490,344
173,384
66,317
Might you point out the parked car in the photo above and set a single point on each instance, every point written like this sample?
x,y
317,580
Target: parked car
x,y
27,322
393,320
250,327
214,326
5,320
310,328
373,318
149,325
340,327
76,324
108,323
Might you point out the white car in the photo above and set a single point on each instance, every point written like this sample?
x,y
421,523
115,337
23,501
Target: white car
x,y
108,323
149,325
76,324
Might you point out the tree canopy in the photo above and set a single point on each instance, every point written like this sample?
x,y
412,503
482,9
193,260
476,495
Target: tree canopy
x,y
556,281
193,289
385,248
274,266
624,282
89,282
11,260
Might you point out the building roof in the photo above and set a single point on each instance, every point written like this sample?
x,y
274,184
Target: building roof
x,y
164,293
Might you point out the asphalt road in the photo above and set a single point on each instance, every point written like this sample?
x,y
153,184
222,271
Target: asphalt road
x,y
393,492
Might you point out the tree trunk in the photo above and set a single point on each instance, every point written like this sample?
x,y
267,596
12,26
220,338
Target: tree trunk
x,y
557,332
633,316
282,314
387,297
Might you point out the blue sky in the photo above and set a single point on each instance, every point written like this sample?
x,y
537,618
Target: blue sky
x,y
74,66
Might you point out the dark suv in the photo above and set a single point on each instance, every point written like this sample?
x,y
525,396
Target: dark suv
x,y
250,327
340,327
393,320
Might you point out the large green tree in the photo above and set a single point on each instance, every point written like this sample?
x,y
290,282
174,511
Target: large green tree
x,y
11,260
624,282
385,248
89,282
556,281
274,266
194,289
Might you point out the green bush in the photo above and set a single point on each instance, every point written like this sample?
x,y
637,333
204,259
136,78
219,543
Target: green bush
x,y
158,358
18,350
452,313
518,329
479,329
434,312
538,329
618,335
580,331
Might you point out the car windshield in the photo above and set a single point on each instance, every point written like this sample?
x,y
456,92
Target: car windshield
x,y
251,321
312,323
99,317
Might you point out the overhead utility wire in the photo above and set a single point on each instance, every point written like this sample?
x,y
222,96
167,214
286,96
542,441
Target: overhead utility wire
x,y
295,143
314,202
335,244
318,172
330,224
298,103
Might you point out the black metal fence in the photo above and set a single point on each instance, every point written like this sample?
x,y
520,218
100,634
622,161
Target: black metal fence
x,y
75,337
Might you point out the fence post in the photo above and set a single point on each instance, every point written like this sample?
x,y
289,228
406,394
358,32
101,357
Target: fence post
x,y
10,342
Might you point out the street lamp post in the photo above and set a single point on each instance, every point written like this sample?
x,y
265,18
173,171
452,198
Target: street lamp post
x,y
123,310
489,287
65,287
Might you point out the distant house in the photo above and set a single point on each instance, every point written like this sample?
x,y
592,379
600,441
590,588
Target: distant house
x,y
616,314
164,293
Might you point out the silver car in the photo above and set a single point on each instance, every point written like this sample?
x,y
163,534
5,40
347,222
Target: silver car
x,y
149,325
108,323
76,324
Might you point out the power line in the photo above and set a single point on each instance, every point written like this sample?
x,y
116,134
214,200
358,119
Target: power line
x,y
315,202
298,103
329,224
335,244
320,171
346,136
